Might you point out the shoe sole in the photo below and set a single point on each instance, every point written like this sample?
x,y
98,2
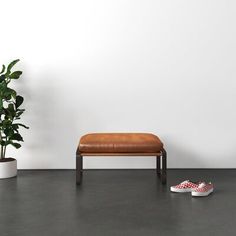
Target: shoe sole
x,y
202,194
179,190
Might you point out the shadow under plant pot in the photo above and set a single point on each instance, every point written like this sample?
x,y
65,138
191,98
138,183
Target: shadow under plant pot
x,y
8,168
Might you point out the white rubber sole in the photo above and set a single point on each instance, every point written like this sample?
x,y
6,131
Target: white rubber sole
x,y
202,194
179,190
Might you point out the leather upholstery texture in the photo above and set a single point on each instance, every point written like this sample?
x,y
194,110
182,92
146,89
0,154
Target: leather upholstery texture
x,y
120,143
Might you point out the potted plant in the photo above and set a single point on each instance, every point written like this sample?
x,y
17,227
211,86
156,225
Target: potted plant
x,y
10,114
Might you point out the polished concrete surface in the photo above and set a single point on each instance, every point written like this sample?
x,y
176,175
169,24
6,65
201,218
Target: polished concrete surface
x,y
115,202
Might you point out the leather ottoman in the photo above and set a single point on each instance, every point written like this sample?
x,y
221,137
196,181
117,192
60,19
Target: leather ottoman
x,y
121,144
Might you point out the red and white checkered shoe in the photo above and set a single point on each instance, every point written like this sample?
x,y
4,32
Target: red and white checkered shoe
x,y
184,187
203,190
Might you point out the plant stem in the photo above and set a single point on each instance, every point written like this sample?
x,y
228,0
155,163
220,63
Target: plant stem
x,y
4,151
1,152
1,157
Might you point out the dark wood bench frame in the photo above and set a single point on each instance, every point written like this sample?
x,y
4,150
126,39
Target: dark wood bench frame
x,y
161,163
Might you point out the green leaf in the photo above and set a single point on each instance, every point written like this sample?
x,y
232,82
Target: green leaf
x,y
8,132
19,101
5,92
22,125
11,92
15,75
18,114
16,145
11,107
16,137
7,113
3,86
9,67
8,93
10,111
2,78
3,69
6,123
15,127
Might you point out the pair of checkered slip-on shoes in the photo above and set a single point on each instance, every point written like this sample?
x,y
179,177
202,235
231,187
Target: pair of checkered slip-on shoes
x,y
198,189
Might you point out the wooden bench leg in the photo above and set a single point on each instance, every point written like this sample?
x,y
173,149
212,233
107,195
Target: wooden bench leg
x,y
79,168
164,166
158,163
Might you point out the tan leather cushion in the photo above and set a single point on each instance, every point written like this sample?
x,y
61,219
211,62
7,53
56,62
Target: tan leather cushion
x,y
120,143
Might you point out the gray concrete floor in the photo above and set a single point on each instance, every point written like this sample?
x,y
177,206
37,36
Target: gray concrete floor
x,y
115,202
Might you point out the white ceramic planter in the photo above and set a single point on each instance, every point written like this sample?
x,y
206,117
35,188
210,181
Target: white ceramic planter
x,y
8,169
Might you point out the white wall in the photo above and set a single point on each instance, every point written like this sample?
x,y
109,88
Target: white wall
x,y
166,67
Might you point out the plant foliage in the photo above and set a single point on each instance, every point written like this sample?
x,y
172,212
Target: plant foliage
x,y
10,109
